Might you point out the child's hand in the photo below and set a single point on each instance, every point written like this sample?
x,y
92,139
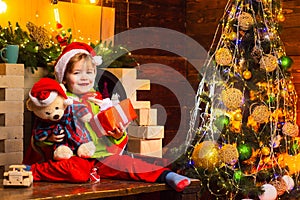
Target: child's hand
x,y
56,138
118,132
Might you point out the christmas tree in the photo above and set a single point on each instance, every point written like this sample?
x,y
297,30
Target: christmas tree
x,y
242,141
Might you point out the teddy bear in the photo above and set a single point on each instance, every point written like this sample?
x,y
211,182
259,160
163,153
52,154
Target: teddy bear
x,y
57,114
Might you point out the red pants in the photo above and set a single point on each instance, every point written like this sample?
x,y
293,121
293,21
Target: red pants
x,y
77,169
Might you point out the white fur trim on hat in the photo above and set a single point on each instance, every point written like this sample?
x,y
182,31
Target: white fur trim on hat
x,y
60,66
44,102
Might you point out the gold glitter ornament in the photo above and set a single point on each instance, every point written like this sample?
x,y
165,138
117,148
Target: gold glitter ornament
x,y
290,129
280,185
232,98
245,21
261,114
268,62
265,151
223,56
40,34
229,154
206,155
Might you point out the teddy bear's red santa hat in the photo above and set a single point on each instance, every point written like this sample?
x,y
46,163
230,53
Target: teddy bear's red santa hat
x,y
70,51
45,91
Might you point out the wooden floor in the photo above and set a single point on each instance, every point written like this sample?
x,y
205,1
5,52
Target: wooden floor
x,y
106,189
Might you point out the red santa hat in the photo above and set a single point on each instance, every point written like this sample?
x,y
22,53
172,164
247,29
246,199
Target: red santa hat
x,y
45,91
70,51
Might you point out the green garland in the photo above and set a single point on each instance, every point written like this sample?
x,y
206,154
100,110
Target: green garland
x,y
31,53
114,56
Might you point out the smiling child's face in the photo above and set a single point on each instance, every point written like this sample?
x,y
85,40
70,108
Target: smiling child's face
x,y
81,78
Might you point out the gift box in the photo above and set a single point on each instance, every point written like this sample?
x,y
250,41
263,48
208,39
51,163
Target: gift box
x,y
109,120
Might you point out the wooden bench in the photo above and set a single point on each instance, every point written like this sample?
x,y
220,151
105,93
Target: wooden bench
x,y
106,189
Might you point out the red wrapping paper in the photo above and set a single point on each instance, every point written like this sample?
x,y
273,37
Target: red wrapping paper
x,y
109,120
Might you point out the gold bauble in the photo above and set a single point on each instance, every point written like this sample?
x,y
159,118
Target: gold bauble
x,y
280,17
223,56
245,21
261,114
229,154
290,129
265,151
268,62
280,185
290,87
247,74
206,155
238,116
232,98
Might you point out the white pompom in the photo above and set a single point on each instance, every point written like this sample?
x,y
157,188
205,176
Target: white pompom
x,y
68,102
270,192
98,60
289,182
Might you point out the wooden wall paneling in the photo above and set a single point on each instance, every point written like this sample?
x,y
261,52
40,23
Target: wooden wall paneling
x,y
290,27
296,80
202,19
166,14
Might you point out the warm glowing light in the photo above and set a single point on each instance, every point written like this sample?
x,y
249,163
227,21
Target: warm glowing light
x,y
56,15
93,1
3,7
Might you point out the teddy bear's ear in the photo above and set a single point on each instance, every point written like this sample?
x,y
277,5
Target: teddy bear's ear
x,y
29,104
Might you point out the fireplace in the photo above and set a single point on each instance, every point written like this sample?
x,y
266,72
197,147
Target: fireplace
x,y
108,85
